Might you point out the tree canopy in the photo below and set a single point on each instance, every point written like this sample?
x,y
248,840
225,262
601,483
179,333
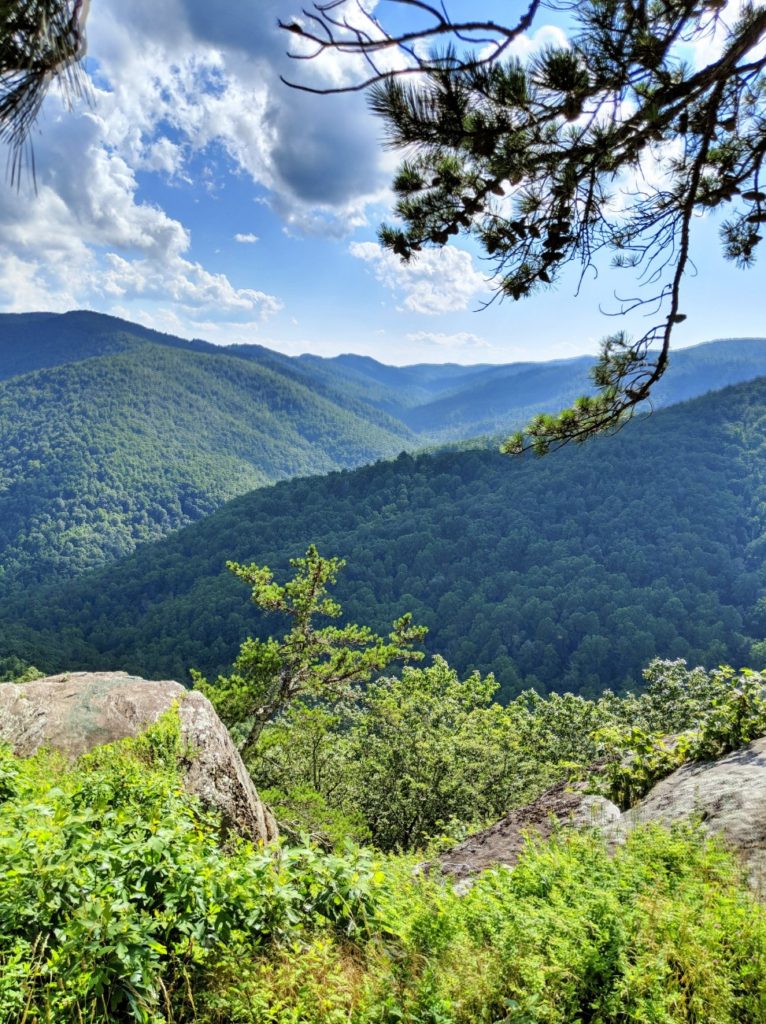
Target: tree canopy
x,y
39,40
557,574
610,145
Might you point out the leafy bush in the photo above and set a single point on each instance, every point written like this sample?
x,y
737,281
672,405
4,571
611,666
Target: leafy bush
x,y
662,932
404,758
718,711
115,893
639,759
118,905
14,670
736,715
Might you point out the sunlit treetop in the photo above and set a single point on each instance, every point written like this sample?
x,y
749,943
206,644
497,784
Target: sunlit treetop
x,y
604,149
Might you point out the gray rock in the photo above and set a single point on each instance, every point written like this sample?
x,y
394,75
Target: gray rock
x,y
728,796
500,844
594,812
75,712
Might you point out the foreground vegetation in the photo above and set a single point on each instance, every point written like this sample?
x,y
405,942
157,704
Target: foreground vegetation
x,y
426,754
123,902
343,748
118,903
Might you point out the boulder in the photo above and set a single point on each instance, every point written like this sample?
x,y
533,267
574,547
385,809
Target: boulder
x,y
728,796
75,712
563,805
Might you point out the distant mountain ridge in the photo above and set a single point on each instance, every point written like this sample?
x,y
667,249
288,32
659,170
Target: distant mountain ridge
x,y
565,573
113,434
493,399
102,453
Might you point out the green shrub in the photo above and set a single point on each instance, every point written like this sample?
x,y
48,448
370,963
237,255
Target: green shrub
x,y
718,711
115,892
14,670
735,717
637,760
119,904
663,932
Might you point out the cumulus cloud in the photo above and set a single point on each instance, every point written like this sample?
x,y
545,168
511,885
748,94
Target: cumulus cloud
x,y
434,281
319,157
189,91
459,340
176,87
83,234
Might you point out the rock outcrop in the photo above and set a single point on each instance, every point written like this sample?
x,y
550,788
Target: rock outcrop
x,y
500,844
728,797
75,712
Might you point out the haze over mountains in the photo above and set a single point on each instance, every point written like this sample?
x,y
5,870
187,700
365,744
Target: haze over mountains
x,y
112,434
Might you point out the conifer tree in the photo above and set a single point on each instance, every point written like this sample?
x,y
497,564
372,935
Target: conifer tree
x,y
608,146
309,661
40,40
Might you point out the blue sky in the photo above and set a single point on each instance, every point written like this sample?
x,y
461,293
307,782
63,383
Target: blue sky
x,y
195,193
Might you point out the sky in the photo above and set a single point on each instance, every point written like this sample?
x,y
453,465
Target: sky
x,y
192,191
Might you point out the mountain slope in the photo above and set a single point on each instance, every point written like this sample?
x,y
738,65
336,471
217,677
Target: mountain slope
x,y
32,341
112,434
36,341
438,401
564,573
101,454
447,403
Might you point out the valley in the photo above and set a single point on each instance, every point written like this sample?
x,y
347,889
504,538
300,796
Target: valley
x,y
567,573
113,435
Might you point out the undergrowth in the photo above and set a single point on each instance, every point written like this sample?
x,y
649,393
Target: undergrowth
x,y
118,904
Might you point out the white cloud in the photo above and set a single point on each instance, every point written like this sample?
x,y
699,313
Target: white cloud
x,y
83,237
211,76
525,45
184,283
434,281
246,239
461,339
27,285
190,93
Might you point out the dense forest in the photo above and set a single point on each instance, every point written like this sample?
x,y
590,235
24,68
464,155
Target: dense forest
x,y
564,573
98,455
446,402
112,434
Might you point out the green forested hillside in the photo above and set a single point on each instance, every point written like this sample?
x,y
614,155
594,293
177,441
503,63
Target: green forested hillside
x,y
35,341
564,573
450,402
101,454
440,401
112,434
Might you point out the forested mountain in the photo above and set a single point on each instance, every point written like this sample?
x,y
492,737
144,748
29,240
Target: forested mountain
x,y
112,434
449,402
564,573
34,341
440,401
101,454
